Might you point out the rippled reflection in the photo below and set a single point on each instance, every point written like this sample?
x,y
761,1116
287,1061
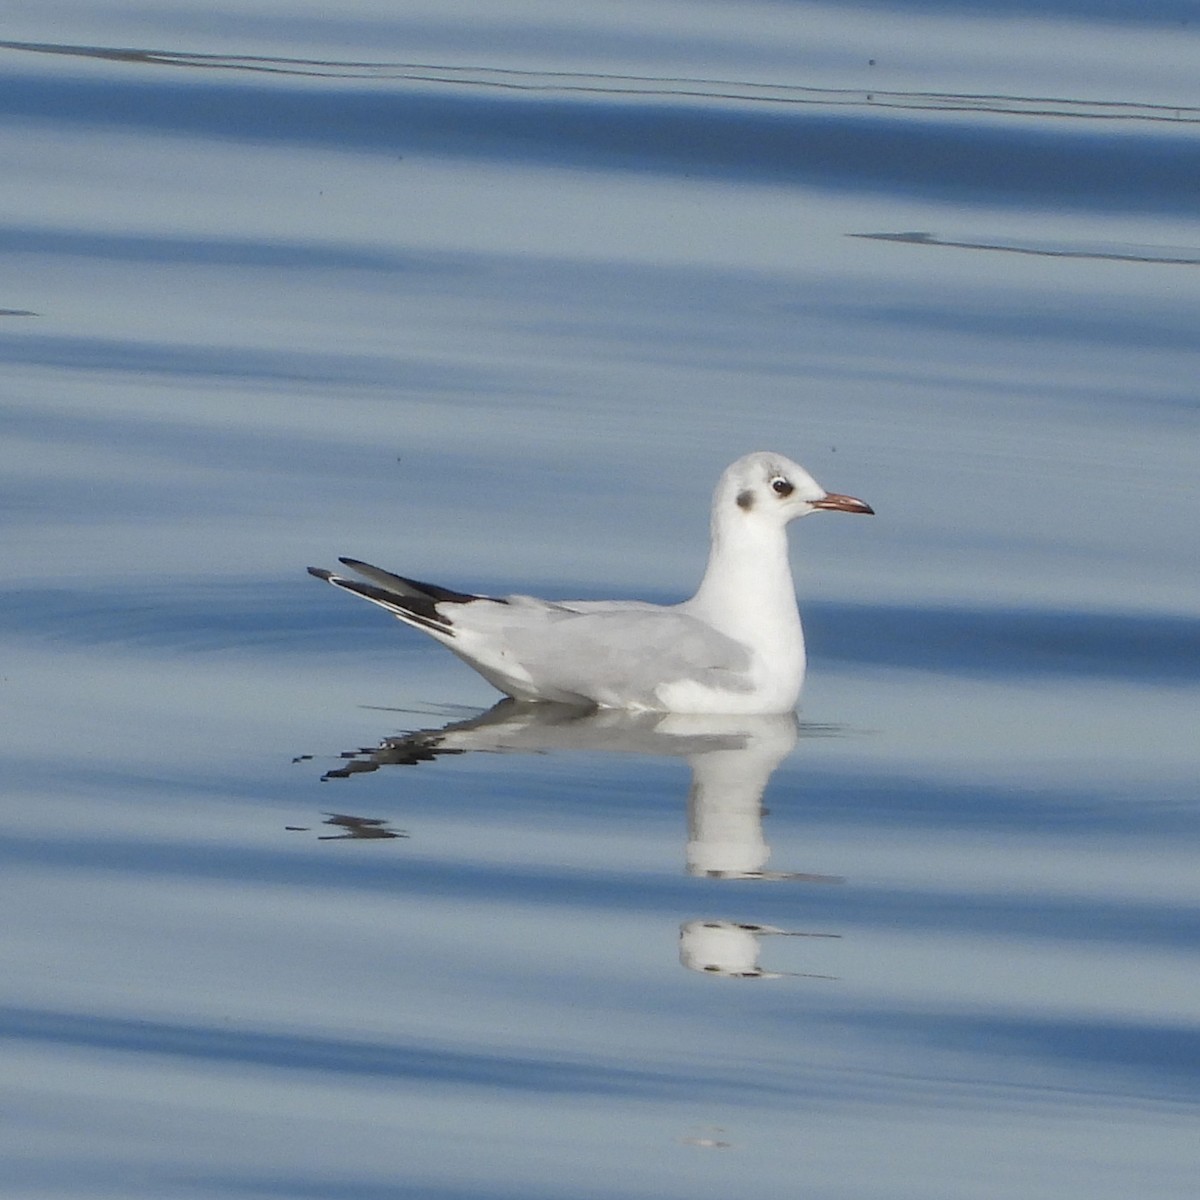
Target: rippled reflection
x,y
731,949
731,758
358,828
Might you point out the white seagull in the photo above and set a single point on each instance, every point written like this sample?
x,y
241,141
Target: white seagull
x,y
735,647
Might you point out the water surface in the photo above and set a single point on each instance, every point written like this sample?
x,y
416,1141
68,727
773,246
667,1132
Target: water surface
x,y
492,301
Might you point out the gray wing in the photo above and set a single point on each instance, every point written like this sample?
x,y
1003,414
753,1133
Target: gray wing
x,y
624,654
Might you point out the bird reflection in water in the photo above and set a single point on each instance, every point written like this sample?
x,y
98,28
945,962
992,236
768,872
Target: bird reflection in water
x,y
731,758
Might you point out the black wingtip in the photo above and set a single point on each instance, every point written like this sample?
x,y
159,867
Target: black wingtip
x,y
321,573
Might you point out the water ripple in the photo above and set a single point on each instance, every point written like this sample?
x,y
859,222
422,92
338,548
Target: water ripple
x,y
865,148
640,86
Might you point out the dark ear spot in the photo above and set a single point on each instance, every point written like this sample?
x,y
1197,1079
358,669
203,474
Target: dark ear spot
x,y
745,500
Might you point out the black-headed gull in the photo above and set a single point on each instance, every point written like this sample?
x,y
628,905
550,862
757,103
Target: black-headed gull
x,y
735,647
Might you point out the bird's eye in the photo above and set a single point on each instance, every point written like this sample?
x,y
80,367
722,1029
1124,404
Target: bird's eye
x,y
781,487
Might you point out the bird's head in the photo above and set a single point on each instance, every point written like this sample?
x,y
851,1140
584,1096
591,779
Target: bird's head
x,y
769,487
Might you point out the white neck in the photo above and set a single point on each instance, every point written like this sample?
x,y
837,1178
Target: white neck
x,y
747,591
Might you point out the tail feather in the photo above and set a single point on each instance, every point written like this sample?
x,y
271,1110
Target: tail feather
x,y
407,587
409,599
415,609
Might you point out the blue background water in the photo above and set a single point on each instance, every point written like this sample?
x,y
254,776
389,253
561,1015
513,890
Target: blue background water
x,y
492,299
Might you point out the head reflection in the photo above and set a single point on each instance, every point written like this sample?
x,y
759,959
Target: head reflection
x,y
730,949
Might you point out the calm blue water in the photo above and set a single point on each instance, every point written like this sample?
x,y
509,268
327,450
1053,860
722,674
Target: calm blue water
x,y
491,300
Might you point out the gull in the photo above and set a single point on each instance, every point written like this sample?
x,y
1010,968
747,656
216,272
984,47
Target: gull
x,y
737,646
